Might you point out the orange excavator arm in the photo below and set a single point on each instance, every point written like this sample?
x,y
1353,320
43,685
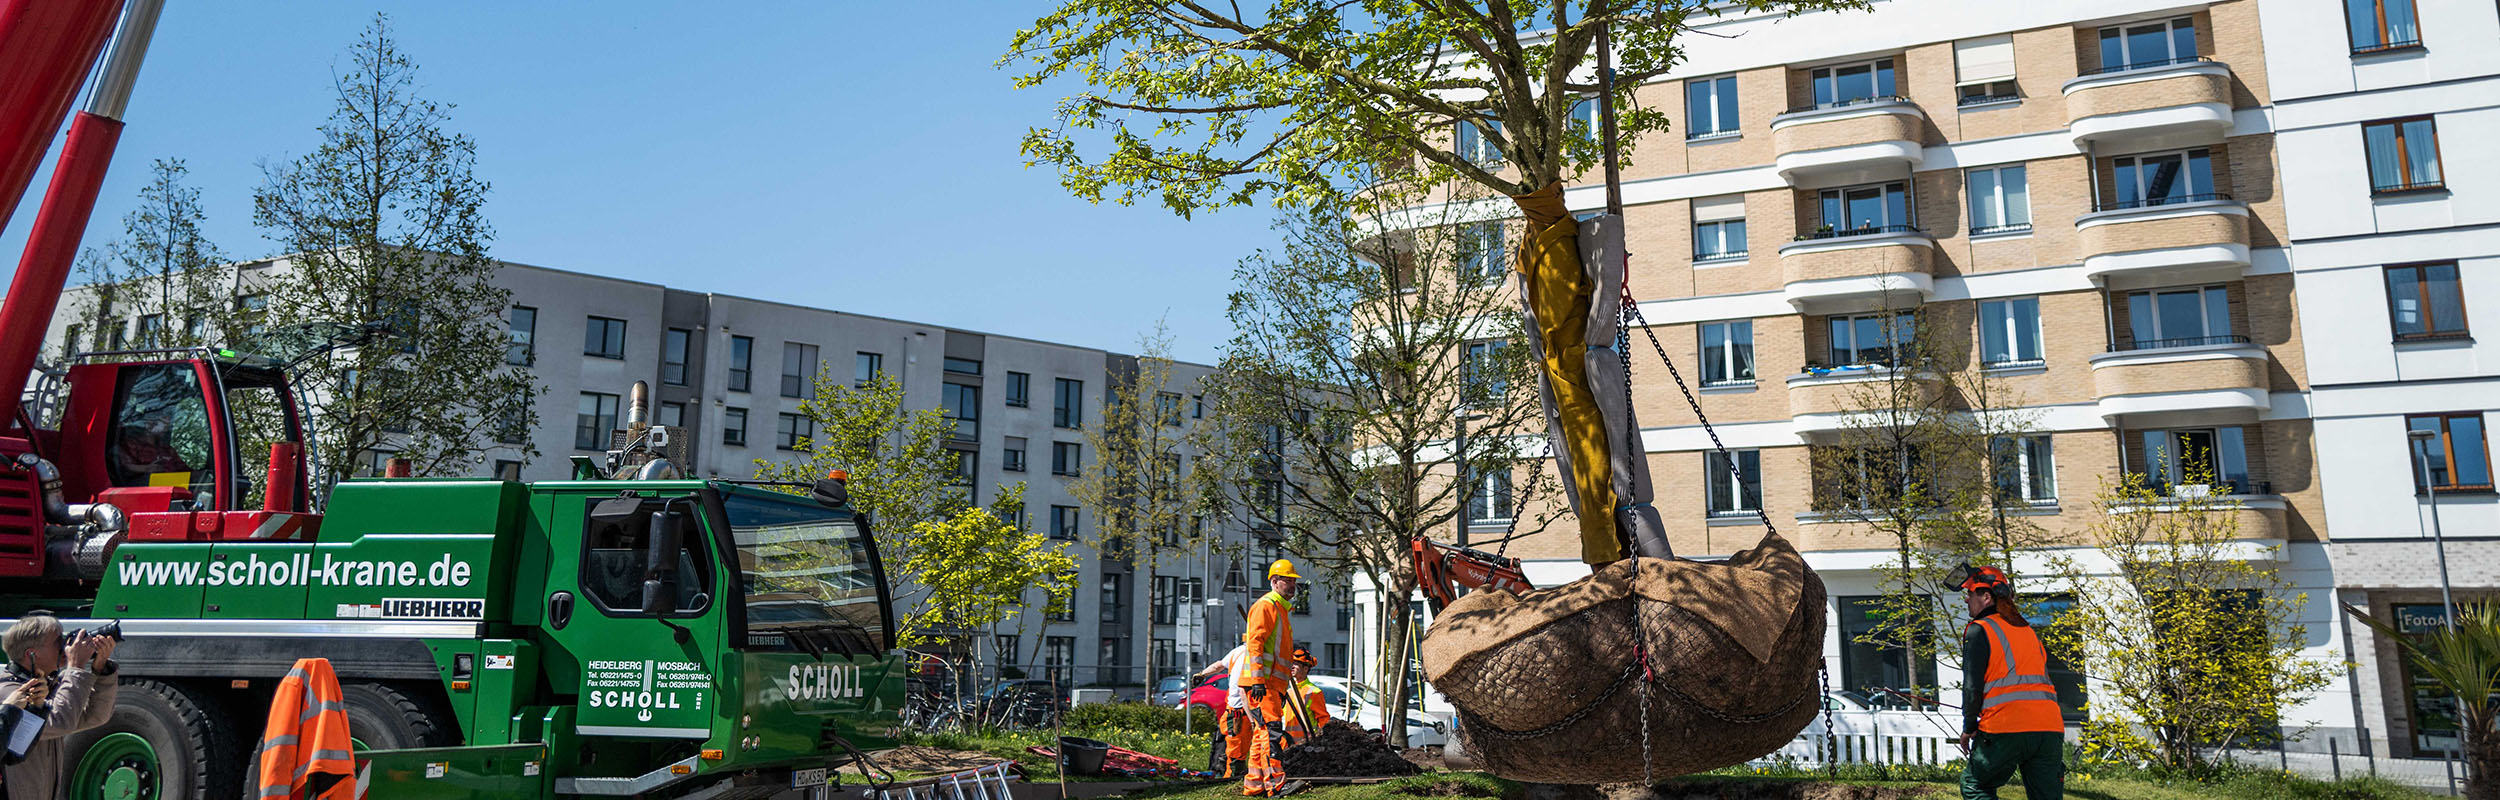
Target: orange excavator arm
x,y
1442,569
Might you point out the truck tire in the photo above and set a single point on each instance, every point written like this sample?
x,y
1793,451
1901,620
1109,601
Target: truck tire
x,y
387,717
163,742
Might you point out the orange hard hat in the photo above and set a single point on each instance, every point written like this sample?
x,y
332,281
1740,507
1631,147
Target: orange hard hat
x,y
1302,656
1988,578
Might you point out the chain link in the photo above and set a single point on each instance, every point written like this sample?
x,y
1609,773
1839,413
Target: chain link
x,y
1831,732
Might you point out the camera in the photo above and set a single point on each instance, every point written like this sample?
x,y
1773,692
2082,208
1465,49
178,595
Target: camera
x,y
112,629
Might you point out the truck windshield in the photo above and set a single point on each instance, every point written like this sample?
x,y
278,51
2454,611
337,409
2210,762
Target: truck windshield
x,y
810,584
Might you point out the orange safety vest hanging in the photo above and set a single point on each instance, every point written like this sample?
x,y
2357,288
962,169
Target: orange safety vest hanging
x,y
304,749
2018,697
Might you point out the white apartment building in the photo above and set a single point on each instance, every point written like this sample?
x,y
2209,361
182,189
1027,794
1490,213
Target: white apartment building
x,y
732,371
2395,248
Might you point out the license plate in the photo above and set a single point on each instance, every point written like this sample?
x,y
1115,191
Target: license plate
x,y
804,778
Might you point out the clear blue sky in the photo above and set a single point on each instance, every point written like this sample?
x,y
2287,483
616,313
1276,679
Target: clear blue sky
x,y
859,156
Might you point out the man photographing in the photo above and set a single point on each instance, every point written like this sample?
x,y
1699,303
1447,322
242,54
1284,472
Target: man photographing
x,y
82,679
2010,718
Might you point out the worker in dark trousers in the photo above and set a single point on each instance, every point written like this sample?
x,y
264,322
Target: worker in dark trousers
x,y
2010,718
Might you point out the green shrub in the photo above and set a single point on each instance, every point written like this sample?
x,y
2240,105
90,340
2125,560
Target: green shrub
x,y
1142,717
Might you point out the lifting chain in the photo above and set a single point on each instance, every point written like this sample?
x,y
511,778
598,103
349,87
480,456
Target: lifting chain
x,y
1831,733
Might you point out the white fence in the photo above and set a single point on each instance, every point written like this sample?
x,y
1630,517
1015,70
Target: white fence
x,y
1873,737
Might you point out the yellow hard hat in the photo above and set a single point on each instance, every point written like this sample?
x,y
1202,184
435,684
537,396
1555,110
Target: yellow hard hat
x,y
1281,569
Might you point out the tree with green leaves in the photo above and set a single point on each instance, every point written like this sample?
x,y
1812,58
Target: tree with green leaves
x,y
977,565
163,283
2463,660
2195,640
1136,483
1207,105
384,225
1335,408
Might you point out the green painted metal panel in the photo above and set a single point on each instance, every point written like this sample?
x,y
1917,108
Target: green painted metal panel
x,y
507,673
419,506
457,773
151,580
256,580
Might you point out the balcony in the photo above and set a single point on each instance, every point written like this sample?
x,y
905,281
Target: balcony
x,y
2172,103
1857,141
2177,239
1887,266
1829,399
2171,376
2254,511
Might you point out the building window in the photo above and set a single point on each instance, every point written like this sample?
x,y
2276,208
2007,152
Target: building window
x,y
1477,147
2025,468
593,421
1168,408
673,348
1197,406
2179,318
151,330
2457,458
1166,658
1870,667
1013,460
2163,178
1871,339
865,367
1481,381
1853,83
741,362
798,369
672,415
69,341
1737,492
1164,606
2404,154
2000,202
2150,44
1005,647
1726,353
1063,522
2424,301
1480,253
963,366
793,432
1065,457
522,348
2378,25
733,426
1983,70
1114,600
1067,404
963,407
1584,119
1710,108
604,337
1336,650
1019,390
2216,458
507,469
2009,332
1489,497
1719,228
967,471
378,462
1059,656
1879,208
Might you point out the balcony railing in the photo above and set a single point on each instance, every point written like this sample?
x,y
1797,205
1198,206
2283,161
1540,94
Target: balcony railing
x,y
2181,341
1830,233
2168,200
2235,486
1990,229
1855,101
2136,65
2408,44
2399,188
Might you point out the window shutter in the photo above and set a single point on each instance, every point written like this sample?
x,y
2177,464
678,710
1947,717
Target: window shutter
x,y
1984,59
1719,209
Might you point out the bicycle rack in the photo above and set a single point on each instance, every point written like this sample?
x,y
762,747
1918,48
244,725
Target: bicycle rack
x,y
983,783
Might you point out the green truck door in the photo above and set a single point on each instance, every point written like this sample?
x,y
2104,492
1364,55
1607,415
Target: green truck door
x,y
646,640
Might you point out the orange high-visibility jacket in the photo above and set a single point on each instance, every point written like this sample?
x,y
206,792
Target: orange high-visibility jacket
x,y
1314,710
304,750
1267,643
2018,697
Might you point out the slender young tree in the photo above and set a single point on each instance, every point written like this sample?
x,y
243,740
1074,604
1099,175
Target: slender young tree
x,y
162,284
384,226
1336,406
1135,481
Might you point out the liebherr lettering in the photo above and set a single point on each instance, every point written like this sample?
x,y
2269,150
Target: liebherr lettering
x,y
296,570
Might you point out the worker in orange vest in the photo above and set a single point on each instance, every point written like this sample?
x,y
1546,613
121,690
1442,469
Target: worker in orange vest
x,y
2010,718
1305,720
1264,680
304,749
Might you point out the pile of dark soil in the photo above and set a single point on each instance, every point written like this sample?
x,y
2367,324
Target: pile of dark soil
x,y
1342,750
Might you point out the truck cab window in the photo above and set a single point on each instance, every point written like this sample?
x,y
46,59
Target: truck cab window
x,y
616,560
160,434
809,578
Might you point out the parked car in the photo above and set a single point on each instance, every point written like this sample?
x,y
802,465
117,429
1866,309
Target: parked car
x,y
1170,690
1209,693
1422,729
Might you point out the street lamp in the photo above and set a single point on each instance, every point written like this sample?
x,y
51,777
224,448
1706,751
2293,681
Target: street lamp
x,y
2420,444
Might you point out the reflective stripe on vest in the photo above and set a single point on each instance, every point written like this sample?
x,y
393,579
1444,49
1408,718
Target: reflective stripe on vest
x,y
304,749
1271,629
2018,696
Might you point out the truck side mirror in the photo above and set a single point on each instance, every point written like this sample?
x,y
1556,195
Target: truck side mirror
x,y
660,562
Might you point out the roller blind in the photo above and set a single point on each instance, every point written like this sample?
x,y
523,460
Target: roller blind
x,y
1719,209
1985,59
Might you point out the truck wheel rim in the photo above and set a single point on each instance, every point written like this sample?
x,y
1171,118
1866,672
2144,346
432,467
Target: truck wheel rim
x,y
120,766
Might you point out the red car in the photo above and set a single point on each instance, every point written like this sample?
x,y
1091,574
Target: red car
x,y
1209,693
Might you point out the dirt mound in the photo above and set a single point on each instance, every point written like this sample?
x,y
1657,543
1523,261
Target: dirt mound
x,y
1343,750
915,758
1427,760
